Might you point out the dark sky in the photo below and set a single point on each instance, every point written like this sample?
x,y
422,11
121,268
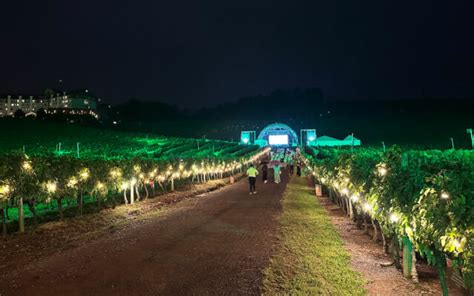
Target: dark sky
x,y
195,53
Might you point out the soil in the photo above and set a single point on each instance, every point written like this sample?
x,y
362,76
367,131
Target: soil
x,y
367,257
214,244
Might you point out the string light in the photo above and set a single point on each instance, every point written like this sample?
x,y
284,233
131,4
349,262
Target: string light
x,y
456,243
84,174
367,207
382,170
99,185
444,195
115,173
354,197
4,189
27,166
394,218
72,182
51,187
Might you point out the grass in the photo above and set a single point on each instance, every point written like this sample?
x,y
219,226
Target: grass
x,y
311,259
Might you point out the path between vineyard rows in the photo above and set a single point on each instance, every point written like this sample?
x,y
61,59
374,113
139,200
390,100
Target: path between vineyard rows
x,y
216,244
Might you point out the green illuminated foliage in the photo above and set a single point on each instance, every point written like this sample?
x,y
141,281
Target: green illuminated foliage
x,y
426,196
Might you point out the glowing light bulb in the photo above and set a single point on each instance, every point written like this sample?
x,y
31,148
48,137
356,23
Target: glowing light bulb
x,y
444,195
4,189
27,166
354,197
456,243
394,218
116,173
382,171
133,181
72,182
51,187
345,191
367,207
84,174
99,185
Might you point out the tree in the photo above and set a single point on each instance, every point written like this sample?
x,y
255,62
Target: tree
x,y
19,114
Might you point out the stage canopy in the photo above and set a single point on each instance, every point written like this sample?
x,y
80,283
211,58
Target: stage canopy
x,y
278,134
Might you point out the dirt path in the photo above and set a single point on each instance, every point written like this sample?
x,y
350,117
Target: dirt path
x,y
213,245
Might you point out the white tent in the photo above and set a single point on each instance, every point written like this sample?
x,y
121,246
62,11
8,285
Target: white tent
x,y
329,141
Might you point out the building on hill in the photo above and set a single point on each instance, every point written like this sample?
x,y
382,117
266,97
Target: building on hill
x,y
77,102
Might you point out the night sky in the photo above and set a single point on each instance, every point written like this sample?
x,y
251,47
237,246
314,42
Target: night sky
x,y
201,53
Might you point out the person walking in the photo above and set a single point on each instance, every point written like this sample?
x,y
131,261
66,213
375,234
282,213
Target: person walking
x,y
292,165
252,174
265,172
276,173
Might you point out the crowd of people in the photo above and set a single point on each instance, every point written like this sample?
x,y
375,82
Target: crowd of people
x,y
278,160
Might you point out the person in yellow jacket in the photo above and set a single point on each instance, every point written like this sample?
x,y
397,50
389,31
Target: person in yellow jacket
x,y
252,173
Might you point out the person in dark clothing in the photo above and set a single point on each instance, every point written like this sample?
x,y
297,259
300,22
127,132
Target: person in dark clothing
x,y
298,169
264,172
292,166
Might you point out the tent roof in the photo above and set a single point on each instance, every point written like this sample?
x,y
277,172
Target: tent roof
x,y
349,138
327,138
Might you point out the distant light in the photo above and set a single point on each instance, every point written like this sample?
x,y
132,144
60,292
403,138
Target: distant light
x,y
114,122
456,243
72,182
51,187
394,218
27,166
4,189
99,185
382,170
367,207
354,197
84,174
